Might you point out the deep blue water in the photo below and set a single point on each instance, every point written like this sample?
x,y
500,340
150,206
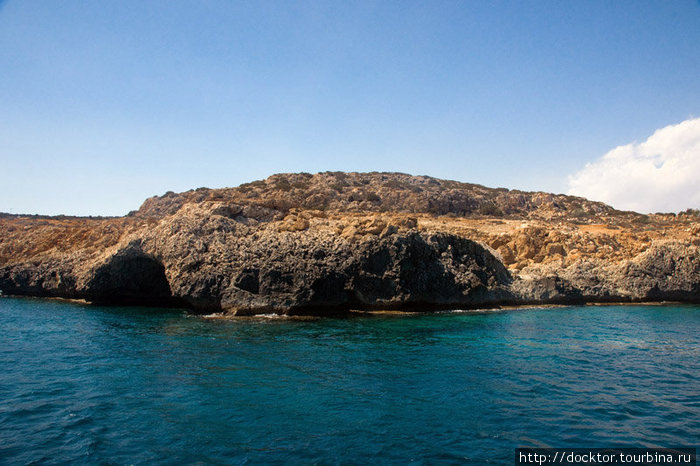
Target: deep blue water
x,y
87,384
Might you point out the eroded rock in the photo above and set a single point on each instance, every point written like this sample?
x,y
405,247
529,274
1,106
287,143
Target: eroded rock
x,y
331,242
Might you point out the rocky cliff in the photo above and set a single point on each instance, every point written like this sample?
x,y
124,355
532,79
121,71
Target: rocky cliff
x,y
331,242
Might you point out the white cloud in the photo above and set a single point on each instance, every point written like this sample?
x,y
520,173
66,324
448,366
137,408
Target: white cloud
x,y
661,174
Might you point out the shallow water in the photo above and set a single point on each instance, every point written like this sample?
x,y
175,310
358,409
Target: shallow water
x,y
88,384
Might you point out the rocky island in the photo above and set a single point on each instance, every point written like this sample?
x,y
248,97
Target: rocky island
x,y
333,242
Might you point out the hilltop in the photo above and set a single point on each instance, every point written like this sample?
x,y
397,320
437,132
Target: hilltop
x,y
301,243
385,192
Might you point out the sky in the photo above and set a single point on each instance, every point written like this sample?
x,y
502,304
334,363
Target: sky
x,y
103,104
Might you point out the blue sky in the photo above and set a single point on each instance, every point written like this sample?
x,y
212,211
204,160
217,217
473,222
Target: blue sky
x,y
103,104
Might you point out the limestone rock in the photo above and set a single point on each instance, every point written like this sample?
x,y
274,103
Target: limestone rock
x,y
330,242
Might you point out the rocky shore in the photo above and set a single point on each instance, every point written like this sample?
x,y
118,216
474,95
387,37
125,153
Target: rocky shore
x,y
332,242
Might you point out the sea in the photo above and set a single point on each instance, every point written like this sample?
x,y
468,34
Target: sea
x,y
84,384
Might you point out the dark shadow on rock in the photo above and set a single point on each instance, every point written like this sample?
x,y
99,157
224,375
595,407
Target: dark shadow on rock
x,y
131,277
440,270
249,280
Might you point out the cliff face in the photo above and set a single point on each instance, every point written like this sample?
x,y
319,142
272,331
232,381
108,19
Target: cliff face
x,y
335,241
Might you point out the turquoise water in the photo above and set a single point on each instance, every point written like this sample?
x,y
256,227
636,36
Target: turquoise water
x,y
87,384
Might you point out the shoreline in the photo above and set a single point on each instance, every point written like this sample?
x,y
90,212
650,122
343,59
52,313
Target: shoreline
x,y
411,311
335,243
